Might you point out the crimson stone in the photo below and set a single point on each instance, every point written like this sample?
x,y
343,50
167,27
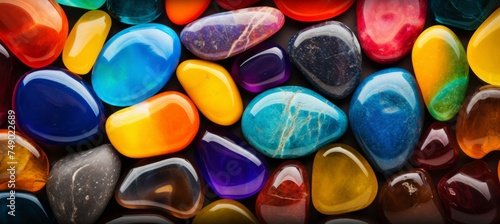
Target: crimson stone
x,y
437,149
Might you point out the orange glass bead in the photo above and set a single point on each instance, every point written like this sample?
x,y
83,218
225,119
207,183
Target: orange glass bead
x,y
311,11
182,12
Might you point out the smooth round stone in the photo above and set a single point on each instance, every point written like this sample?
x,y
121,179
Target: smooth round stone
x,y
84,4
57,107
388,29
85,41
164,123
442,71
7,82
212,89
312,11
184,12
291,122
329,56
483,48
341,168
386,115
136,63
28,209
466,15
242,29
232,5
225,211
34,31
437,148
135,11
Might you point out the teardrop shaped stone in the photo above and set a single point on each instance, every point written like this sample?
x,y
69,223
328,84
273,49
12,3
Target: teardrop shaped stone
x,y
437,148
184,12
225,211
22,207
7,82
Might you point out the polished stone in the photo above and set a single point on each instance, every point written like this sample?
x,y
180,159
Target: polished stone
x,y
28,209
135,11
341,168
138,216
241,29
225,211
84,4
386,115
136,63
312,11
7,82
184,12
466,15
344,219
388,29
67,111
291,121
329,56
442,72
164,123
437,148
232,5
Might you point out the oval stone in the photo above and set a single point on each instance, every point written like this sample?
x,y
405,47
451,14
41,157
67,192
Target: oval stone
x,y
84,4
437,148
443,82
225,211
27,209
135,12
7,82
329,56
184,12
241,29
386,115
135,64
291,122
311,11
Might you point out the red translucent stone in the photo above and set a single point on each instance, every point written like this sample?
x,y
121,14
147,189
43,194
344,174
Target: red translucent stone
x,y
235,4
437,149
311,11
6,83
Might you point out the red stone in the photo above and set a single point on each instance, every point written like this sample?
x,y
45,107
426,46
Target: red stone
x,y
311,11
238,4
437,149
6,83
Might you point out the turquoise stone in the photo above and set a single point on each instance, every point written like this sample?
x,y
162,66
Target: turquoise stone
x,y
291,122
135,11
468,14
135,64
21,207
386,115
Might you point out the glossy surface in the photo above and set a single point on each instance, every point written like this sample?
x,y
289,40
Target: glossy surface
x,y
212,89
183,12
344,219
462,14
7,82
28,209
135,11
388,29
437,148
386,115
135,64
84,4
232,5
164,123
311,11
225,211
242,29
138,216
34,31
291,122
443,82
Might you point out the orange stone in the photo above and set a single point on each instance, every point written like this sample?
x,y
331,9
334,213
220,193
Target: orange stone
x,y
182,12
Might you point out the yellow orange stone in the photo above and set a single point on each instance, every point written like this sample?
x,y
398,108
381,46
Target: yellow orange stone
x,y
225,211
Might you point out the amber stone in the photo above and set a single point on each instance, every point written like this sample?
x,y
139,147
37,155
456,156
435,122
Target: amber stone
x,y
225,211
437,148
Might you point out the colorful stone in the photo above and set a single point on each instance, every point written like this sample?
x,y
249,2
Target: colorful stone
x,y
443,82
386,115
85,41
291,121
241,29
483,48
462,14
262,67
84,4
388,29
329,56
312,11
225,211
232,5
67,111
171,121
135,11
136,63
22,208
171,185
231,167
470,194
81,184
184,12
410,195
341,168
7,82
212,89
285,197
34,31
437,148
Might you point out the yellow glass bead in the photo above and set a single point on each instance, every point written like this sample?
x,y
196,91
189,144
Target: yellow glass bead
x,y
225,211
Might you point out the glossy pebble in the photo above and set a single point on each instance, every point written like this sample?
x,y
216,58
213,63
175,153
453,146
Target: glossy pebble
x,y
212,89
437,148
225,211
388,29
242,29
329,56
443,82
67,111
311,11
462,14
135,11
184,12
232,5
386,115
164,123
291,121
7,82
27,208
135,64
84,4
138,216
342,180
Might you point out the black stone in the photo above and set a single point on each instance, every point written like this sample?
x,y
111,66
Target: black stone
x,y
22,207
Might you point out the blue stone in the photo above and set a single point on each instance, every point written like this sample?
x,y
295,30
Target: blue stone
x,y
28,209
467,14
57,107
291,122
135,11
386,115
135,64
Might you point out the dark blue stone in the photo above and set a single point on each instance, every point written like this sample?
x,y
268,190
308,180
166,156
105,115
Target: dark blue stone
x,y
467,14
28,209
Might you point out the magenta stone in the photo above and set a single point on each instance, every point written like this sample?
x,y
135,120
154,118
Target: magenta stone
x,y
6,83
437,149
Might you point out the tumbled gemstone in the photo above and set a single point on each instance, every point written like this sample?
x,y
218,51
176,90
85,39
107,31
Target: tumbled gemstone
x,y
232,5
311,11
184,12
437,148
138,216
84,4
22,208
7,82
462,14
135,11
225,211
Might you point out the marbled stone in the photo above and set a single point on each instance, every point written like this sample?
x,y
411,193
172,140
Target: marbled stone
x,y
67,111
232,5
34,31
470,194
462,14
329,56
84,4
388,29
135,11
410,197
138,216
184,12
136,63
7,82
441,70
162,124
223,35
225,211
386,115
171,185
231,167
311,11
285,197
437,148
28,209
212,90
291,122
81,184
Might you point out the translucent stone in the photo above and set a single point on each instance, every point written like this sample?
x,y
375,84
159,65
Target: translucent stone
x,y
225,211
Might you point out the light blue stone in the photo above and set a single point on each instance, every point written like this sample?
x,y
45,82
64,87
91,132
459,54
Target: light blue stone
x,y
291,122
386,116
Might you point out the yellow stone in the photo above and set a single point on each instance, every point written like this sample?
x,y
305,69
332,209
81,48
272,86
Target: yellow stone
x,y
225,211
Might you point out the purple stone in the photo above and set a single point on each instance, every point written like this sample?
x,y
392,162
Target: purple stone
x,y
264,66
